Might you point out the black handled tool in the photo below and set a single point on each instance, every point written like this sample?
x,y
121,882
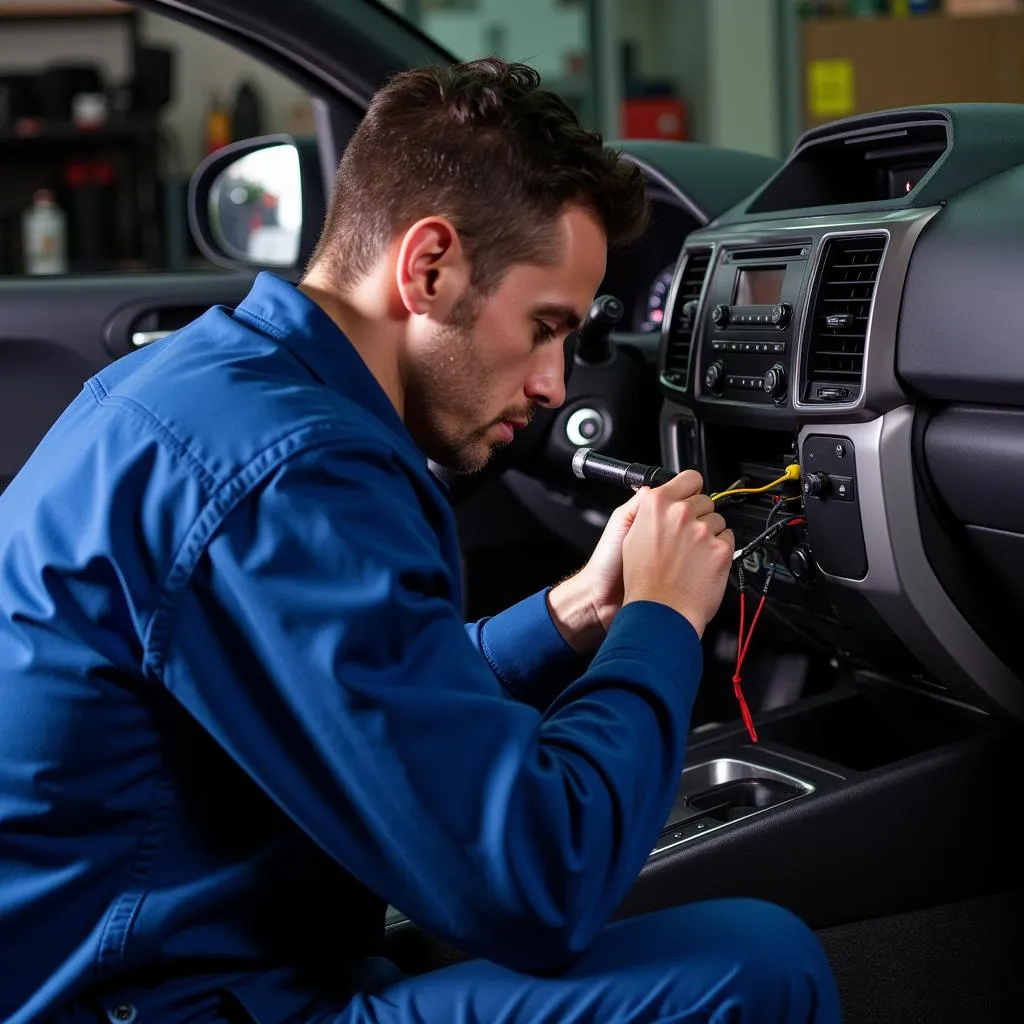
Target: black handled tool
x,y
589,465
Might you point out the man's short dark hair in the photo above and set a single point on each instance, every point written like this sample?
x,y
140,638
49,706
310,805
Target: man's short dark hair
x,y
484,145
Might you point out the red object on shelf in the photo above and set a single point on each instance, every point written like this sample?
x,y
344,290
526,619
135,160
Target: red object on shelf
x,y
654,117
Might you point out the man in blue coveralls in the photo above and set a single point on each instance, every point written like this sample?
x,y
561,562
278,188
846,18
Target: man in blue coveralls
x,y
238,709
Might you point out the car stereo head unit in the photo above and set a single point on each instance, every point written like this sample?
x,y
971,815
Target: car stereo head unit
x,y
748,342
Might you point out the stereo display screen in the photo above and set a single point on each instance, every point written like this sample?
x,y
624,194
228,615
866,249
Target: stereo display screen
x,y
760,286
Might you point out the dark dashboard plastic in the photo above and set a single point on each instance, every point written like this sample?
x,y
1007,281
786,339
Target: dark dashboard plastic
x,y
960,327
985,139
710,179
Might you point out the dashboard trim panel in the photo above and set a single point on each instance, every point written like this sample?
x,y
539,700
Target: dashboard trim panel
x,y
900,582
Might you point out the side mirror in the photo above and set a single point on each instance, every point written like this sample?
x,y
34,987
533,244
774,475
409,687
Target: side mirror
x,y
258,203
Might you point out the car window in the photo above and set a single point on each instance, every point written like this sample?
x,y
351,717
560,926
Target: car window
x,y
105,110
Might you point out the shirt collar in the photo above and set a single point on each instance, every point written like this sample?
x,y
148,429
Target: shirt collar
x,y
277,307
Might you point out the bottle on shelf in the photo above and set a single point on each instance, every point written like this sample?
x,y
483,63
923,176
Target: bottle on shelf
x,y
45,235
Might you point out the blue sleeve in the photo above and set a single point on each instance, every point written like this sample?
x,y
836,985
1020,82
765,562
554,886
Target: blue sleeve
x,y
526,652
319,644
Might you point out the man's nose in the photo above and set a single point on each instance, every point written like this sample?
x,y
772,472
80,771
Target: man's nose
x,y
546,384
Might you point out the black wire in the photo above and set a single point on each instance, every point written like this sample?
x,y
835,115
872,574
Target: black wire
x,y
765,536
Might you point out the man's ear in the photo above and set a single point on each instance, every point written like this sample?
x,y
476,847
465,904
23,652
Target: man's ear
x,y
432,271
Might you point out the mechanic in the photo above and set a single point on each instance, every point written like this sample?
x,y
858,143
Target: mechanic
x,y
238,709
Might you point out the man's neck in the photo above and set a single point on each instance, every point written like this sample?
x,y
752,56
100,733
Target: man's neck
x,y
370,333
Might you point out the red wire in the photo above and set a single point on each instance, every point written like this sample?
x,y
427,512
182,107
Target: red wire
x,y
741,655
743,643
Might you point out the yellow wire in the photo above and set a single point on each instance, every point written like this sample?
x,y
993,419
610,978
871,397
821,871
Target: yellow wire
x,y
792,473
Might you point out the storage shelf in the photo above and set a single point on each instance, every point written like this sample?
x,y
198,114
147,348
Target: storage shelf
x,y
63,133
44,11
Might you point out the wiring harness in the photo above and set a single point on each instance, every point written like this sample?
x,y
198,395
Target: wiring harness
x,y
773,527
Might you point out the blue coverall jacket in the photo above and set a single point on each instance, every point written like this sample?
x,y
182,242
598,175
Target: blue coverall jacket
x,y
239,710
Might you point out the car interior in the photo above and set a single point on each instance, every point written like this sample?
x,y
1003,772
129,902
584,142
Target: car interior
x,y
851,309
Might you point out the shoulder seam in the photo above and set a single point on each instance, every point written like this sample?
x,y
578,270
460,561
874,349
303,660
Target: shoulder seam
x,y
163,433
228,496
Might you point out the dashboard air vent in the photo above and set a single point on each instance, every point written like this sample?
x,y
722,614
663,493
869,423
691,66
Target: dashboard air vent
x,y
682,322
838,326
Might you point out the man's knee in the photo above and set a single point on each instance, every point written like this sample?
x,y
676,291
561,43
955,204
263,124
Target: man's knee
x,y
779,962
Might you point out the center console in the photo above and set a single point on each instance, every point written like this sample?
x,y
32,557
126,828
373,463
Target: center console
x,y
779,347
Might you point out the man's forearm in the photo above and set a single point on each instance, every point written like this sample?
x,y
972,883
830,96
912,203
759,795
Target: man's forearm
x,y
572,610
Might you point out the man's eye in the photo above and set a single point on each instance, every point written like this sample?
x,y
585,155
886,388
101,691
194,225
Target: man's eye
x,y
545,332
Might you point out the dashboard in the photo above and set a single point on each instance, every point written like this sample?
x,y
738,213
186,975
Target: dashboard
x,y
854,312
641,275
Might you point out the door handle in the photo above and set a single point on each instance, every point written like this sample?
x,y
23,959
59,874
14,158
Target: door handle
x,y
142,338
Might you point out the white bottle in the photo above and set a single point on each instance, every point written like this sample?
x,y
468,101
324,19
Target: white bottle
x,y
44,233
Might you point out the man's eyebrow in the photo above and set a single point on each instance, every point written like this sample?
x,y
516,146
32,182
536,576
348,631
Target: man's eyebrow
x,y
563,314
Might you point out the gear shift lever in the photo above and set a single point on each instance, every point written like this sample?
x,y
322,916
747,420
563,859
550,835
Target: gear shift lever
x,y
593,345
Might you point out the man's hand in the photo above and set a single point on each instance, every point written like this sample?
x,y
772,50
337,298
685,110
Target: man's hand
x,y
584,605
678,551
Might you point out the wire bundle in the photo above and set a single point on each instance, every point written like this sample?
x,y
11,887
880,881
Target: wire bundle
x,y
771,530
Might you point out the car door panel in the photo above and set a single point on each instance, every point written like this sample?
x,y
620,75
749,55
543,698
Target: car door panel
x,y
55,333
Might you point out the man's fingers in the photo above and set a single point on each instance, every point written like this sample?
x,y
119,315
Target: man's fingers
x,y
715,522
700,505
684,485
626,512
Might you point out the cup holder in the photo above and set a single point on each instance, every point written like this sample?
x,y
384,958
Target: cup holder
x,y
732,800
723,791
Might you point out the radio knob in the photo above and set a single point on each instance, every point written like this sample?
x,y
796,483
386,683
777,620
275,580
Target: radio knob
x,y
720,315
817,485
774,383
714,375
781,314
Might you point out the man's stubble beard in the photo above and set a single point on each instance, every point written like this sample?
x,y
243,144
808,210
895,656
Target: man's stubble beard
x,y
444,385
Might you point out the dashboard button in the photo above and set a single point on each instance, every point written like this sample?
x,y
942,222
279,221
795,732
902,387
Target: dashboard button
x,y
781,314
842,488
585,426
720,315
833,394
778,347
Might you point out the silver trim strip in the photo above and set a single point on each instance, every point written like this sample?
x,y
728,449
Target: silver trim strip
x,y
665,182
723,770
671,417
900,583
143,338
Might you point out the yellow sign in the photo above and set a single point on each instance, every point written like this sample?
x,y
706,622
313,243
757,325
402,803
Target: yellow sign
x,y
830,88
